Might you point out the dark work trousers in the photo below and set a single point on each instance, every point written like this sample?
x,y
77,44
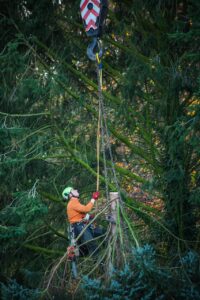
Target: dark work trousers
x,y
87,238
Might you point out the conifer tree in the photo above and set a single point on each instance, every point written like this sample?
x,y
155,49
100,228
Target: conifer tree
x,y
48,118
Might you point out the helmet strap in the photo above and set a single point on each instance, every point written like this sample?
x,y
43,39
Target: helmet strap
x,y
72,195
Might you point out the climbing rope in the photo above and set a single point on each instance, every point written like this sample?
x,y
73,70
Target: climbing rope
x,y
99,123
98,148
99,119
105,137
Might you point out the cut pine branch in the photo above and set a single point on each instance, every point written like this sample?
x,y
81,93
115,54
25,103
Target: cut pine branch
x,y
43,251
51,197
137,150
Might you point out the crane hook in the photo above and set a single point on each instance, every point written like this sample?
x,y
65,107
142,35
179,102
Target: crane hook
x,y
94,47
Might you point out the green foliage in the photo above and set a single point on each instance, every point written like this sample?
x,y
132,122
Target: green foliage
x,y
145,279
195,197
31,278
190,262
19,220
13,290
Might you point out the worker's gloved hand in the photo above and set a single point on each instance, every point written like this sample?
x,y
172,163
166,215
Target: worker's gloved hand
x,y
87,217
95,195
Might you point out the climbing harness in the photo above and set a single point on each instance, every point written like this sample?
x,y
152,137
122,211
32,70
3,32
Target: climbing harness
x,y
93,13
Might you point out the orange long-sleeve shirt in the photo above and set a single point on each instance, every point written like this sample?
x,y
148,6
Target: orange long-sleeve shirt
x,y
76,211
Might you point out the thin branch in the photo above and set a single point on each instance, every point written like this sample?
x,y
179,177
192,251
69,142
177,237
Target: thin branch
x,y
24,115
42,250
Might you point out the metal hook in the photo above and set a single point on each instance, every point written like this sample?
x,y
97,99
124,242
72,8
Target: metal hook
x,y
93,49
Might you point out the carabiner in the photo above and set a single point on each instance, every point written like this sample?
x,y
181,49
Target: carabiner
x,y
94,48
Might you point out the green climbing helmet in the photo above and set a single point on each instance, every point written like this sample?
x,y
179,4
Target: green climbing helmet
x,y
66,192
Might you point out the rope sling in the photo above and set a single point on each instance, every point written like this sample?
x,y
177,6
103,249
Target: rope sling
x,y
103,135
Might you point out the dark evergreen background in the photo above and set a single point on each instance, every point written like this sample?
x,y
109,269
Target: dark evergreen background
x,y
48,122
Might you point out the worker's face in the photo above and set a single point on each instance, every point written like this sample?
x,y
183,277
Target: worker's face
x,y
75,193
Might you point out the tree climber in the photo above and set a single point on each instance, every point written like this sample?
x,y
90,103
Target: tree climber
x,y
78,217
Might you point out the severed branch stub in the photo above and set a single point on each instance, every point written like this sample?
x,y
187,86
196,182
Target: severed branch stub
x,y
114,198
